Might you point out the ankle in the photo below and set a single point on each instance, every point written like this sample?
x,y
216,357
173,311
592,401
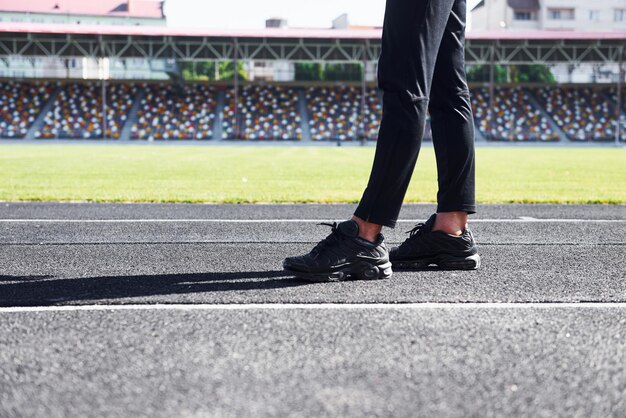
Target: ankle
x,y
453,223
367,230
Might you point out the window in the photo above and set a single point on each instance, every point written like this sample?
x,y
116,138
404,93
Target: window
x,y
619,15
594,15
521,14
561,14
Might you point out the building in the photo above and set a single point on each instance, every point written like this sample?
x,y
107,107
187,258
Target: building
x,y
271,70
575,15
82,12
557,15
285,70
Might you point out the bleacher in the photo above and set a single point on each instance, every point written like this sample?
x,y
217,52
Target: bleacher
x,y
274,112
583,113
613,99
77,111
168,112
334,113
264,112
515,117
20,104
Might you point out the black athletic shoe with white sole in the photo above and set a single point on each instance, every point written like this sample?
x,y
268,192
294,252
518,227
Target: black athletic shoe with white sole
x,y
341,256
426,248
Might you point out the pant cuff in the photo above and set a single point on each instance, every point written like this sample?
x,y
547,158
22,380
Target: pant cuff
x,y
389,223
470,209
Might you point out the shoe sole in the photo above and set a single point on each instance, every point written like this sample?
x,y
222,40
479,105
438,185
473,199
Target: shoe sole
x,y
362,271
443,262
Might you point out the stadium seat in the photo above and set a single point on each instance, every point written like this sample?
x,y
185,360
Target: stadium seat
x,y
613,98
169,113
516,117
272,112
583,113
20,104
77,111
264,113
335,113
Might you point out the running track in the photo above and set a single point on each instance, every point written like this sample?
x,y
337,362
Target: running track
x,y
183,310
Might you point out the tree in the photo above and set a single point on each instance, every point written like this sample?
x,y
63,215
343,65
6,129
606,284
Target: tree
x,y
200,70
535,73
309,72
343,72
480,73
205,70
226,70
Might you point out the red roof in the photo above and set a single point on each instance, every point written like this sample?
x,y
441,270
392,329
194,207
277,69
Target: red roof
x,y
549,35
371,34
114,8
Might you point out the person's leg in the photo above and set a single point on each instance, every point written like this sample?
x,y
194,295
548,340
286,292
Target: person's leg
x,y
452,124
444,240
355,248
412,34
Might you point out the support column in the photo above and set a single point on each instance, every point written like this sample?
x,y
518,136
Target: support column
x,y
363,94
104,108
218,131
103,75
492,69
618,111
236,87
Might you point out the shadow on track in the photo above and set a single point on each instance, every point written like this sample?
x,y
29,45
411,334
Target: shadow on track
x,y
47,290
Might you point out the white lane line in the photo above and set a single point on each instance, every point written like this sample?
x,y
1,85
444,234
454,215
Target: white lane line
x,y
312,306
263,221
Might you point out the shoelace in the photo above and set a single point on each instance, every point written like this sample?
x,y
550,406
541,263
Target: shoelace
x,y
331,239
417,230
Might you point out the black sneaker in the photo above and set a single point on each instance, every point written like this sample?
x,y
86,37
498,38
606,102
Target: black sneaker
x,y
425,248
342,255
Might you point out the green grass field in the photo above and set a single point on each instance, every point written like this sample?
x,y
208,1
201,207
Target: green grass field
x,y
113,173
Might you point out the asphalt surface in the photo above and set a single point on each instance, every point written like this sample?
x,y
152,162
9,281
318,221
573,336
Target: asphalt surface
x,y
34,210
544,336
362,362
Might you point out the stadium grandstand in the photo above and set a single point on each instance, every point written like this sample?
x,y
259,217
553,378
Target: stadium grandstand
x,y
108,102
101,12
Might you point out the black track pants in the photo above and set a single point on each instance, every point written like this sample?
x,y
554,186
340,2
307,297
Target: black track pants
x,y
422,68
